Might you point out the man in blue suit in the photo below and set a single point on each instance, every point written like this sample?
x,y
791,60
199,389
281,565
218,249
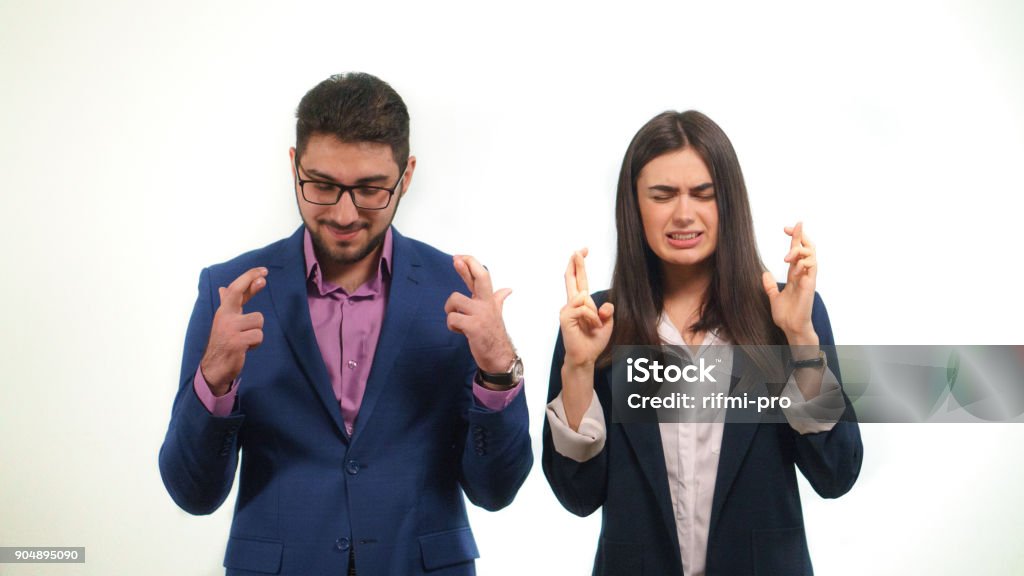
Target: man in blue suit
x,y
367,378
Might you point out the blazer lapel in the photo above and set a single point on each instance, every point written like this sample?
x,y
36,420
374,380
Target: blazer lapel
x,y
403,299
287,284
736,439
645,438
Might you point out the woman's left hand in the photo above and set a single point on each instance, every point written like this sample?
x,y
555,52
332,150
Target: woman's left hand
x,y
791,307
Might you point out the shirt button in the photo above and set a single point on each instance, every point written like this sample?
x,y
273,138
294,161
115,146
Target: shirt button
x,y
352,467
352,364
342,544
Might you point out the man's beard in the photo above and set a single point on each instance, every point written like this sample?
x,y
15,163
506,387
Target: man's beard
x,y
324,250
322,247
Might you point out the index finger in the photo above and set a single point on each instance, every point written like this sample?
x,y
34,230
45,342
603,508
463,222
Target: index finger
x,y
805,239
243,288
462,269
797,235
582,284
800,234
481,277
571,289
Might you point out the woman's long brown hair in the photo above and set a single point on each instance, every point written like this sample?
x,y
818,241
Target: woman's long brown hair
x,y
735,303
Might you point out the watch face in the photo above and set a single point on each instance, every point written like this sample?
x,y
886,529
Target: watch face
x,y
517,371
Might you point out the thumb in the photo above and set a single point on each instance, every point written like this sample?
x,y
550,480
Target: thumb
x,y
771,288
606,311
500,296
220,293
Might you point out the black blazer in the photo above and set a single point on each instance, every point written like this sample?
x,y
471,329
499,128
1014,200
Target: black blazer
x,y
756,520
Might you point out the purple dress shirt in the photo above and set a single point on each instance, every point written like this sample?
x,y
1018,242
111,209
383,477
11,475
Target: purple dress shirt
x,y
347,328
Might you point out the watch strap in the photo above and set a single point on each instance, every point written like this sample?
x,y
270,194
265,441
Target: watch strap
x,y
506,379
819,362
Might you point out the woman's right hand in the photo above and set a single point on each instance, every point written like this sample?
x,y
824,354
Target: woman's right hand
x,y
586,329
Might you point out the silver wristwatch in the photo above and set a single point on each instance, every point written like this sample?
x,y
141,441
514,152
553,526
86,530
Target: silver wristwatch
x,y
508,378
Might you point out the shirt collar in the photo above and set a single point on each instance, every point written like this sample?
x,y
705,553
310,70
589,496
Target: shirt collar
x,y
371,288
713,342
671,335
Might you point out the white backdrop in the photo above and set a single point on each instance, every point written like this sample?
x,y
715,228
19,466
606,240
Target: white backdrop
x,y
143,142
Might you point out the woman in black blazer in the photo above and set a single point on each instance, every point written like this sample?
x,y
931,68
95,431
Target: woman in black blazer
x,y
705,497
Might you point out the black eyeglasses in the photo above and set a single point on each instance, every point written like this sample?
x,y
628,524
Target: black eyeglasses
x,y
330,193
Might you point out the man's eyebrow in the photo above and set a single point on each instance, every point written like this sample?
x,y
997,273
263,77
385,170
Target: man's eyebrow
x,y
701,187
320,176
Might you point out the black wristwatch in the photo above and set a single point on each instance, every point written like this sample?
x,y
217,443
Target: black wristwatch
x,y
819,362
507,379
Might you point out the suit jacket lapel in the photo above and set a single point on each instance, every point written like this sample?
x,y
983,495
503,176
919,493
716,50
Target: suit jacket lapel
x,y
645,438
403,299
287,284
736,439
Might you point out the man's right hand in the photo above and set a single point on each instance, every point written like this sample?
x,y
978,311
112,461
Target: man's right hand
x,y
233,333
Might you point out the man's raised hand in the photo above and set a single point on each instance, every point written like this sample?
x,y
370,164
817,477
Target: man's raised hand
x,y
478,317
233,332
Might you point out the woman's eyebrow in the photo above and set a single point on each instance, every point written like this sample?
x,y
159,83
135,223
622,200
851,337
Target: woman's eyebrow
x,y
663,188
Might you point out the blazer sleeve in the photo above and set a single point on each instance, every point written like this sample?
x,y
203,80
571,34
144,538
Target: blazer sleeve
x,y
830,460
199,455
581,487
498,453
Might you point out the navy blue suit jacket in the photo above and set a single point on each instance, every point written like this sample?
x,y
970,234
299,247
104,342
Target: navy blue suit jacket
x,y
308,492
756,521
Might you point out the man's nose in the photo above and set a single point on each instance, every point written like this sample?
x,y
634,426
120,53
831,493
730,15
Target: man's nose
x,y
345,211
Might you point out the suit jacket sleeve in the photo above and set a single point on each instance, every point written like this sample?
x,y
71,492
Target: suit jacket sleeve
x,y
830,460
498,453
200,451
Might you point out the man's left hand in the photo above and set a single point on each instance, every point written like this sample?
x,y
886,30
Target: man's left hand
x,y
478,317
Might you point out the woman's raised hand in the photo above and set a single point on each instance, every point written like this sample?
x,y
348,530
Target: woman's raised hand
x,y
791,307
586,329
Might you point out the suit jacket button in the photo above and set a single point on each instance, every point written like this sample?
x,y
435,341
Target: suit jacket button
x,y
352,467
342,544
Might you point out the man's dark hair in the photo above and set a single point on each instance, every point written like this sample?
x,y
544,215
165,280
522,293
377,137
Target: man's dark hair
x,y
355,107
